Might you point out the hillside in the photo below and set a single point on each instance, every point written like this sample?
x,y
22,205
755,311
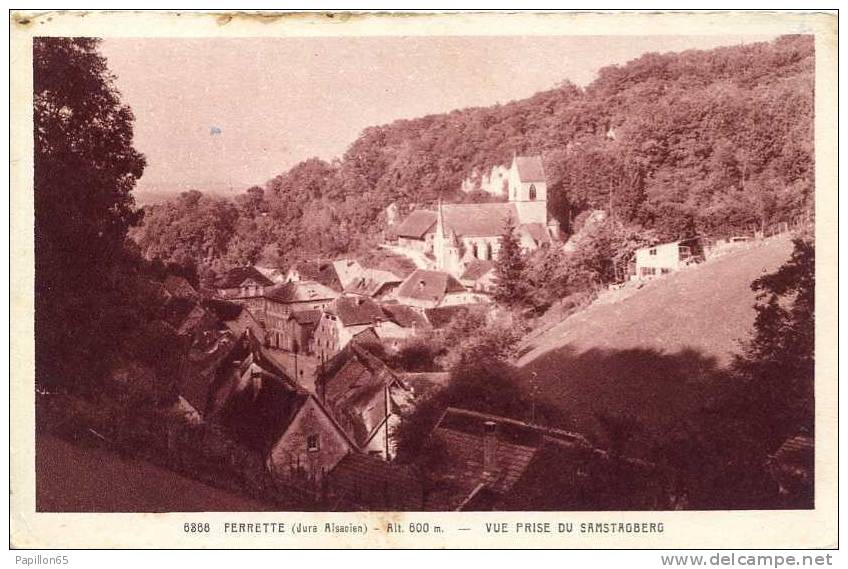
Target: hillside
x,y
655,352
90,479
712,142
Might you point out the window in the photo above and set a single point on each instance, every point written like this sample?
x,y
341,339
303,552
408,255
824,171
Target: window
x,y
312,443
665,271
532,192
652,251
648,271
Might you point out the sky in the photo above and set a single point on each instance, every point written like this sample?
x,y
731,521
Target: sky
x,y
223,114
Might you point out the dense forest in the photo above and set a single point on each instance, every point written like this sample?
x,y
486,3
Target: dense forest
x,y
710,142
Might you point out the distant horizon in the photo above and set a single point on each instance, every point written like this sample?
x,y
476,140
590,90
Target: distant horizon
x,y
205,108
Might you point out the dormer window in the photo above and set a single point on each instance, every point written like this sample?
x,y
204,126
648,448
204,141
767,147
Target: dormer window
x,y
532,192
313,443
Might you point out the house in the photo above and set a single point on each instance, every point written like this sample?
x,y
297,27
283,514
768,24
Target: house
x,y
341,320
242,282
236,318
365,483
478,461
274,306
479,276
297,333
195,325
663,259
364,396
270,414
322,272
347,270
456,234
179,287
299,442
429,289
375,283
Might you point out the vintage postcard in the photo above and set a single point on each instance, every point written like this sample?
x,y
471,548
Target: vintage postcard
x,y
423,280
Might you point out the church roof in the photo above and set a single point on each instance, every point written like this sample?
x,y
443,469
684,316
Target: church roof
x,y
530,168
417,224
478,219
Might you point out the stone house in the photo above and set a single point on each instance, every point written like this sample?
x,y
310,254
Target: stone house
x,y
270,413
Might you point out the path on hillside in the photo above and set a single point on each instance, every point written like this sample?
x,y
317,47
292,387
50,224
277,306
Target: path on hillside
x,y
652,353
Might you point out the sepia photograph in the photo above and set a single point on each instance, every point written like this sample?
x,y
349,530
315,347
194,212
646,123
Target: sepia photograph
x,y
347,273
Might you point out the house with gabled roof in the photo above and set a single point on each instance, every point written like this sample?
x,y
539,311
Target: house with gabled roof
x,y
268,412
242,282
479,276
343,319
364,396
323,272
491,462
430,289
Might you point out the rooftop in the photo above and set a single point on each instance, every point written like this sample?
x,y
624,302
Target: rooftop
x,y
429,286
530,168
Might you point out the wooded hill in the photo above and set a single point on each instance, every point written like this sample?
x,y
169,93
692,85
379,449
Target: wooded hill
x,y
713,142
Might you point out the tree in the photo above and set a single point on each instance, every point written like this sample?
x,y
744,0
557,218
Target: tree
x,y
91,298
511,287
777,369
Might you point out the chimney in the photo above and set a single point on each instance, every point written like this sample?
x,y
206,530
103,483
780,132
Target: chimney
x,y
490,447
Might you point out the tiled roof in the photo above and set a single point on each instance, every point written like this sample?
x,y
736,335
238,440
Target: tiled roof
x,y
223,309
300,292
367,483
354,392
369,282
323,272
405,316
462,436
260,418
179,287
429,285
235,277
417,223
304,317
476,269
530,168
356,310
478,219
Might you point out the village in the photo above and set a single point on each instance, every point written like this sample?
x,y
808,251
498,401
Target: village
x,y
295,364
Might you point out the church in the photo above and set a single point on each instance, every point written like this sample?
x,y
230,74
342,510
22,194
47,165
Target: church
x,y
459,234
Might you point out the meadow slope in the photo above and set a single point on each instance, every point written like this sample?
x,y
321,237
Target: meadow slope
x,y
654,353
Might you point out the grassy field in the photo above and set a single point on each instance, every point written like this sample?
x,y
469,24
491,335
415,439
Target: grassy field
x,y
72,478
653,353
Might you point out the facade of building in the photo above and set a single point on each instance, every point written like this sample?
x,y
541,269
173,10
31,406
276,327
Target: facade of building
x,y
242,282
457,234
341,320
659,260
365,398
